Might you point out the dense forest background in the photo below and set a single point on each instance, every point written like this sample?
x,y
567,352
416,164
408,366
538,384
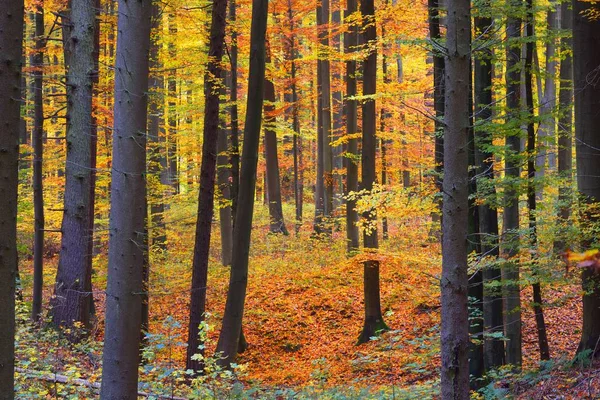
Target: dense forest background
x,y
292,199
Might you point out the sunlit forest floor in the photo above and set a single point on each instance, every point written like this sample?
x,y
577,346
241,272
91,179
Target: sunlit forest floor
x,y
304,308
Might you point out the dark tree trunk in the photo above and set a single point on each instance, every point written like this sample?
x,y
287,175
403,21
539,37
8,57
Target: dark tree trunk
x,y
224,185
586,58
384,142
510,234
235,144
337,107
438,101
350,46
126,256
11,43
373,323
531,185
156,159
207,181
565,128
273,188
236,296
171,140
38,150
455,325
297,140
488,215
72,296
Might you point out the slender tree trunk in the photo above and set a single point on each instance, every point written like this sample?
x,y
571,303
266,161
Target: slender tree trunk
x,y
438,101
373,323
235,146
72,296
531,186
38,150
384,142
488,215
337,103
156,160
350,46
586,58
510,234
454,329
273,180
11,43
125,289
234,308
224,185
565,128
171,140
207,180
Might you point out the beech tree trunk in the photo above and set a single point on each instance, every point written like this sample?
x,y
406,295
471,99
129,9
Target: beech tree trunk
x,y
373,324
72,296
207,180
235,146
455,325
171,139
510,226
586,58
125,287
224,185
236,295
351,160
38,150
488,215
565,128
11,43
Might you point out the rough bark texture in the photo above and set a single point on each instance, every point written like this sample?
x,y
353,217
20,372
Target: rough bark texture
x,y
454,328
236,295
488,215
350,46
207,180
510,235
373,323
565,127
124,290
11,43
72,296
38,150
586,59
531,184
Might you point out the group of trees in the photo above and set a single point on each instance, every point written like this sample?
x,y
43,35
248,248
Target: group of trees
x,y
484,72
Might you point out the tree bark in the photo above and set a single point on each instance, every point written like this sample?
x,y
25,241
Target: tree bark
x,y
72,292
125,289
277,224
11,43
586,58
38,150
510,234
171,139
234,307
350,46
488,215
455,325
235,146
207,180
373,323
224,185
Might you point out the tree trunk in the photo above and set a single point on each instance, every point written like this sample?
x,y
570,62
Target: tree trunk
x,y
11,43
38,149
156,159
350,46
373,323
236,295
125,289
565,129
72,296
510,234
224,185
171,140
235,146
531,184
273,181
207,180
488,215
455,325
586,58
337,108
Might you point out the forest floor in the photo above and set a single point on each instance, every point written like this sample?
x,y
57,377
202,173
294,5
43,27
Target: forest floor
x,y
304,310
